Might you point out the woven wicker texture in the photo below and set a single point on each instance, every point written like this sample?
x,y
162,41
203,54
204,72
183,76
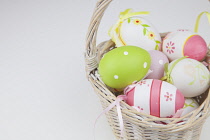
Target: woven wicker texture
x,y
137,126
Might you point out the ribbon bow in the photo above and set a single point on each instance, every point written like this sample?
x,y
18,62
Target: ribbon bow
x,y
128,13
167,76
114,30
117,104
168,70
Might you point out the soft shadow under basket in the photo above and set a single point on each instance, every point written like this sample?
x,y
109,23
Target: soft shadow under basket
x,y
138,126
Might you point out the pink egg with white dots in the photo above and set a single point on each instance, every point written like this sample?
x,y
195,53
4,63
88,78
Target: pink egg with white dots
x,y
157,64
155,97
182,43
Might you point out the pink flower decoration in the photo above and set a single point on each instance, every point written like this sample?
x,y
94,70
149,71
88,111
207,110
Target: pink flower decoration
x,y
141,109
171,116
142,82
170,47
182,30
168,96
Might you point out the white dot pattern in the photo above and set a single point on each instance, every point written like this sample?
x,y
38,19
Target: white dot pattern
x,y
116,77
161,62
145,64
125,53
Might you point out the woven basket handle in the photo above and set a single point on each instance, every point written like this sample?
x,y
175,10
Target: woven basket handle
x,y
90,54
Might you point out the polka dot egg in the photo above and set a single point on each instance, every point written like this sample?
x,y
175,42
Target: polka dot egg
x,y
184,43
155,97
157,64
122,66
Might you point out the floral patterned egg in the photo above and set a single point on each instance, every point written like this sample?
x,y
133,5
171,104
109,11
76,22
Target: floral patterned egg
x,y
157,66
122,66
190,76
135,30
155,97
184,43
189,105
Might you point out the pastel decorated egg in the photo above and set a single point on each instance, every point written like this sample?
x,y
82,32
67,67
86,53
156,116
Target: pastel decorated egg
x,y
124,65
184,43
189,105
157,64
133,29
190,76
155,97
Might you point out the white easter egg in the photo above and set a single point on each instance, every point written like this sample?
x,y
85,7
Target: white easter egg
x,y
136,31
190,76
184,43
155,97
189,105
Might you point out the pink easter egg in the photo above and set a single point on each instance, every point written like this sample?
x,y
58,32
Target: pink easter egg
x,y
155,97
157,64
184,43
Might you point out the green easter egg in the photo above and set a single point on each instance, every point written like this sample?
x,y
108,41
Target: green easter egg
x,y
122,66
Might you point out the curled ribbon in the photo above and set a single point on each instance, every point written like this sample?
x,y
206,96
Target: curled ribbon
x,y
117,104
114,30
167,76
196,30
130,87
168,70
198,20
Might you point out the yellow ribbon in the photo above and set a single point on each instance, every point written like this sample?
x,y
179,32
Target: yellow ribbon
x,y
128,13
198,20
114,30
168,71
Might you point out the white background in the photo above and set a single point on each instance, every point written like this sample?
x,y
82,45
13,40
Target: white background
x,y
44,94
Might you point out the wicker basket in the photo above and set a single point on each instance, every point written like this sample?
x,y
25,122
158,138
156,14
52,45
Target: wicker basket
x,y
138,126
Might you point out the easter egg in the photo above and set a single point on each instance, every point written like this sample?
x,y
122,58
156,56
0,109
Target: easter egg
x,y
157,64
155,97
189,105
184,43
124,65
136,31
190,76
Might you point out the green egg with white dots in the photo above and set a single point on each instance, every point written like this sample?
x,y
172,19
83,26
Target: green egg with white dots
x,y
122,66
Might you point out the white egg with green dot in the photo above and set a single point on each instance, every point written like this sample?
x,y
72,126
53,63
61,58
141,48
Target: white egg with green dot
x,y
122,66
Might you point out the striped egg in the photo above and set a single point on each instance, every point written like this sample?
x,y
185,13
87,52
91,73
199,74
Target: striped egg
x,y
155,97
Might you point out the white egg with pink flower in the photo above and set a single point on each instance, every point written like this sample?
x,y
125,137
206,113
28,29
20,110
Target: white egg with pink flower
x,y
182,43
